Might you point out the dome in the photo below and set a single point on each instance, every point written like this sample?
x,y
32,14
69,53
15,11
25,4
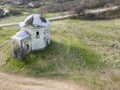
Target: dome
x,y
34,20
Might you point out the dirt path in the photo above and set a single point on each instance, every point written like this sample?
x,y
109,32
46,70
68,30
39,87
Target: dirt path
x,y
14,82
50,19
68,16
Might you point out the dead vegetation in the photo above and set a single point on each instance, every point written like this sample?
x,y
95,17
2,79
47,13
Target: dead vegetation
x,y
72,5
14,82
107,13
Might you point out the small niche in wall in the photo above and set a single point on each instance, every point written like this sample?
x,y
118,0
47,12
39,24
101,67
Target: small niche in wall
x,y
37,34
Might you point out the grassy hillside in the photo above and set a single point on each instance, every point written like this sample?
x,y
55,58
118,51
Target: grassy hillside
x,y
84,51
20,18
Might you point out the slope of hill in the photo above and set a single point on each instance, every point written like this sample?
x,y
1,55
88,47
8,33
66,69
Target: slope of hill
x,y
85,51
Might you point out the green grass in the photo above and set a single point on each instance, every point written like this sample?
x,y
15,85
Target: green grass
x,y
20,18
7,32
12,19
79,51
58,56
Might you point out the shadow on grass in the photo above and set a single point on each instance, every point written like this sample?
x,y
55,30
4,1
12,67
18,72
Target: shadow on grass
x,y
53,61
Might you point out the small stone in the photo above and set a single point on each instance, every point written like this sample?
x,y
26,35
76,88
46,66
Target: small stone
x,y
112,45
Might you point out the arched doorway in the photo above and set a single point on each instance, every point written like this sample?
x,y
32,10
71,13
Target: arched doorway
x,y
15,48
26,46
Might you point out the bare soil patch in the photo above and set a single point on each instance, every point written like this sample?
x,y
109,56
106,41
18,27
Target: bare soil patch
x,y
13,82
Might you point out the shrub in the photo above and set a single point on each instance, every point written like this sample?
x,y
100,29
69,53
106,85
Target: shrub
x,y
108,14
1,13
15,12
80,10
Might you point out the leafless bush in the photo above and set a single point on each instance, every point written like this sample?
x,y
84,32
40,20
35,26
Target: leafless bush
x,y
89,3
15,12
67,6
80,10
108,14
1,13
78,6
99,3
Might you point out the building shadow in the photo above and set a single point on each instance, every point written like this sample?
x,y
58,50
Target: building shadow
x,y
53,60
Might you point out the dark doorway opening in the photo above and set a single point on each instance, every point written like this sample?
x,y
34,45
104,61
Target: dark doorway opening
x,y
27,46
37,35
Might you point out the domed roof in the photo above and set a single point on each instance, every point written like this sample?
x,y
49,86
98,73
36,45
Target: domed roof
x,y
20,35
34,20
